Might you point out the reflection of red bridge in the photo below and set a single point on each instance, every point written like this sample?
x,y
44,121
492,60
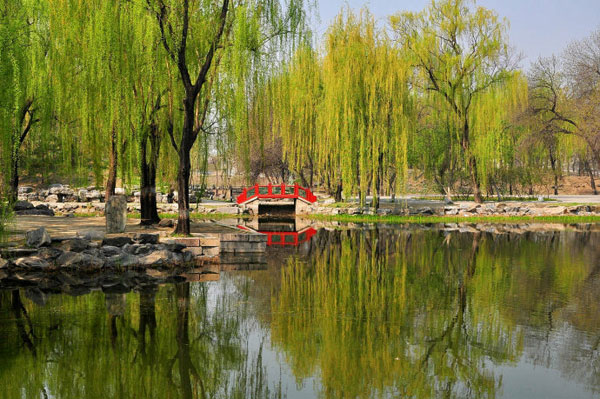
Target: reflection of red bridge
x,y
285,238
279,191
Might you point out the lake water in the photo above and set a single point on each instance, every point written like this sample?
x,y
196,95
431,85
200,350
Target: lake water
x,y
355,313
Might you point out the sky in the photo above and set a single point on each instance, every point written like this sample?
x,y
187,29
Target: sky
x,y
537,27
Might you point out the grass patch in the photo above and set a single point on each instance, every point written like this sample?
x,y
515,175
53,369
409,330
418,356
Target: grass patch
x,y
87,214
454,219
342,205
485,199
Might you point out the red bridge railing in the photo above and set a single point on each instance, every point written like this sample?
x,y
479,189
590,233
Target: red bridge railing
x,y
282,191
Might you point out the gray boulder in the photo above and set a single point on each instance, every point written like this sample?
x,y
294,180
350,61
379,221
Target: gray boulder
x,y
50,254
166,223
23,206
141,249
38,238
32,262
122,260
75,245
117,241
174,246
52,198
3,263
93,195
36,212
79,260
25,190
110,251
146,238
156,258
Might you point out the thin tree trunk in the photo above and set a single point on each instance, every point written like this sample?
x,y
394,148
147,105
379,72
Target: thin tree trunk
x,y
111,182
378,179
553,165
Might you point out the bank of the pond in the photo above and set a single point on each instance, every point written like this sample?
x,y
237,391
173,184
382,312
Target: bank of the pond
x,y
394,219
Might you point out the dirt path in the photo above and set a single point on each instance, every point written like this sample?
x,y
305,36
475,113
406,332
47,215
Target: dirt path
x,y
59,226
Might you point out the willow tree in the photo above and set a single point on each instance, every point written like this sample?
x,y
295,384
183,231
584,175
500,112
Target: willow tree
x,y
199,39
150,112
24,92
363,116
93,70
459,53
295,95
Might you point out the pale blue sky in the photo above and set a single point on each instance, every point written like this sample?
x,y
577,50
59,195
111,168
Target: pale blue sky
x,y
537,27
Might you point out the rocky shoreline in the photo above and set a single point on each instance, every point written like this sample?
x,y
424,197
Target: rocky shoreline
x,y
467,209
93,251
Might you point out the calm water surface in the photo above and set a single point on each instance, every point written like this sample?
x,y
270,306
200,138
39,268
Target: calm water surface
x,y
387,312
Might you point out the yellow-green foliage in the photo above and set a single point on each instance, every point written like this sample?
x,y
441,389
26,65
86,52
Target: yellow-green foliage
x,y
345,112
459,52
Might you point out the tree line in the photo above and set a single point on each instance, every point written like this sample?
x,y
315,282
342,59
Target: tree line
x,y
439,92
146,91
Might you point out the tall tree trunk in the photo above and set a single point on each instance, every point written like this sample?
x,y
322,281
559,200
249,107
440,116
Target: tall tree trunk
x,y
591,174
338,192
14,177
303,179
312,172
378,179
188,137
466,145
26,121
391,186
183,193
475,180
111,182
149,212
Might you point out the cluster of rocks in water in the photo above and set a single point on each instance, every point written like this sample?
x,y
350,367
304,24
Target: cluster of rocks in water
x,y
93,252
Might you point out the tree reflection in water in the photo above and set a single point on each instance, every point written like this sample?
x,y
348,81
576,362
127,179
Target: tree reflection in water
x,y
355,313
426,314
160,343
